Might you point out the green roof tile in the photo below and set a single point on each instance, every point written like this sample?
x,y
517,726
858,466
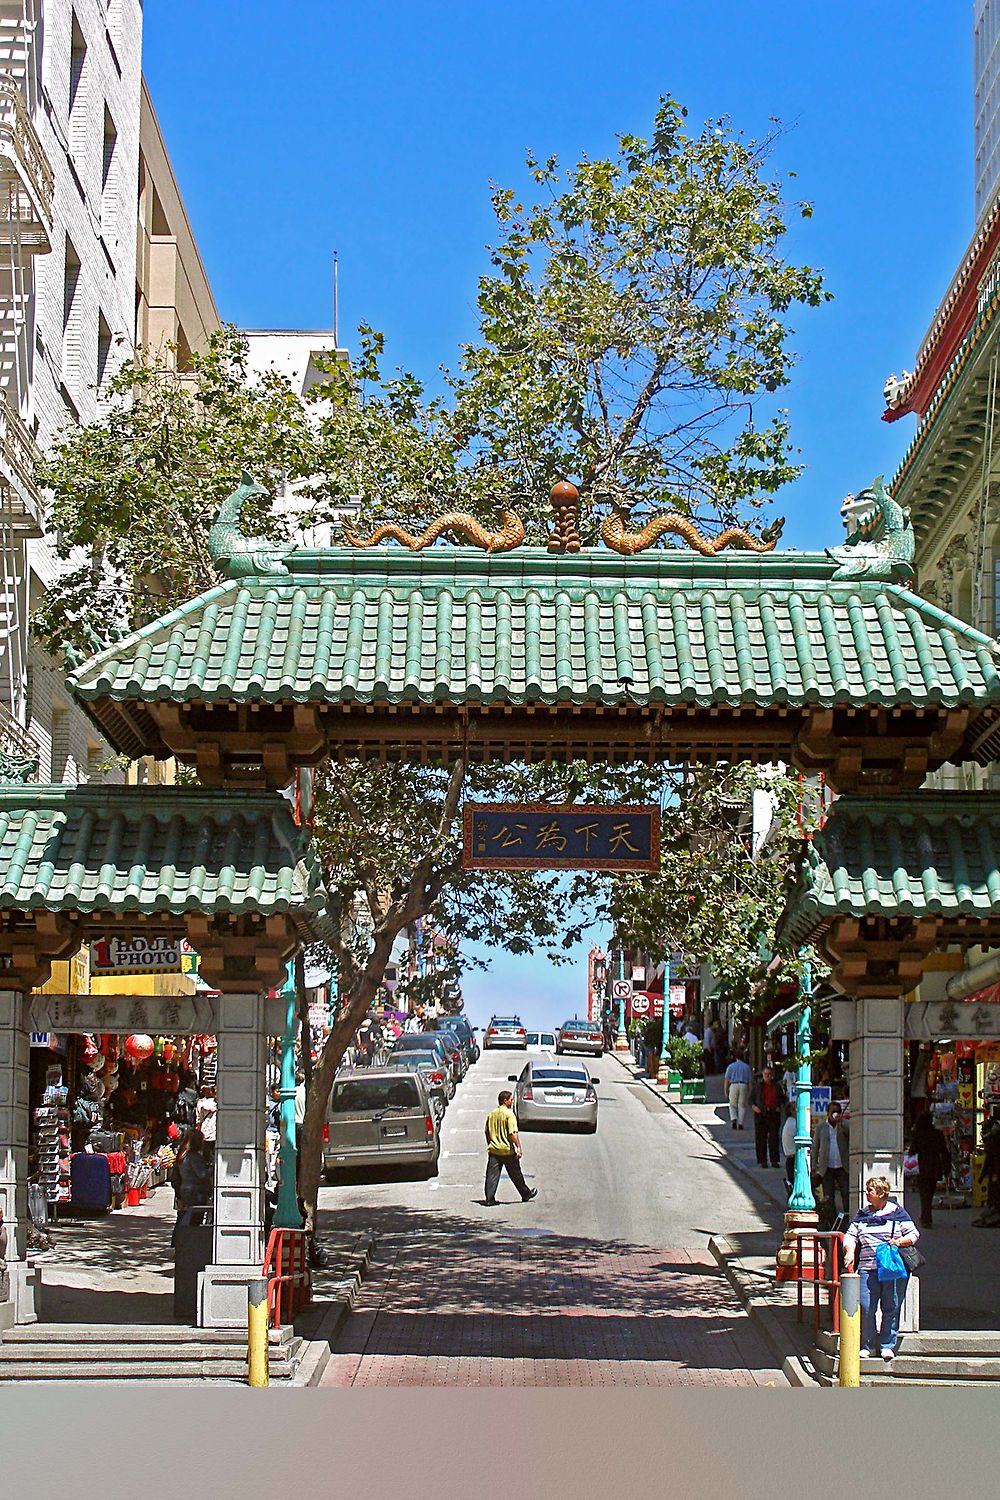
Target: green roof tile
x,y
935,854
454,625
156,850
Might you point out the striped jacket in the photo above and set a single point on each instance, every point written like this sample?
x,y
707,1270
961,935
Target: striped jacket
x,y
867,1229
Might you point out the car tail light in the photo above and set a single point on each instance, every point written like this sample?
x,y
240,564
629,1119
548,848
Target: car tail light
x,y
591,1095
437,1078
520,1031
429,1125
527,1094
326,1134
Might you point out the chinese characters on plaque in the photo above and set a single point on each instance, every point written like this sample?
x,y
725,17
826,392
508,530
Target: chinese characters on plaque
x,y
543,836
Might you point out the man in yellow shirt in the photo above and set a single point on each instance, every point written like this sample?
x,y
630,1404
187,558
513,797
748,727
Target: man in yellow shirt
x,y
503,1147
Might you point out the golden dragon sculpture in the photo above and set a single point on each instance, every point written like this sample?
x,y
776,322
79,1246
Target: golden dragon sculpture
x,y
615,535
465,527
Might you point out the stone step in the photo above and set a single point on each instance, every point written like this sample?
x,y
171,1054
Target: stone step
x,y
231,1370
967,1369
21,1355
132,1333
934,1343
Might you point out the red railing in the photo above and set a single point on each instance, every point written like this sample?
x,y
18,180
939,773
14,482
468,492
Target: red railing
x,y
819,1255
286,1271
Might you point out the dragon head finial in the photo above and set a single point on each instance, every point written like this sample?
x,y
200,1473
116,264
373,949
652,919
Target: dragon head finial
x,y
234,553
879,544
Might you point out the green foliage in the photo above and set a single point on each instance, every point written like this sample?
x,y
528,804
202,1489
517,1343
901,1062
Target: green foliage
x,y
633,316
134,493
685,1058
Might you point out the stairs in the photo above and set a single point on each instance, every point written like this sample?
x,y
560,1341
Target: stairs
x,y
139,1352
931,1358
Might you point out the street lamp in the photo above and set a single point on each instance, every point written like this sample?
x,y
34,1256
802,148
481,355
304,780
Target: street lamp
x,y
800,1216
621,1039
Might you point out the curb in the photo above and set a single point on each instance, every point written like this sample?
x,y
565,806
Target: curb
x,y
796,1368
658,1092
341,1297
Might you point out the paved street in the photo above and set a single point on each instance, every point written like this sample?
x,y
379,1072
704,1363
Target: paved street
x,y
605,1279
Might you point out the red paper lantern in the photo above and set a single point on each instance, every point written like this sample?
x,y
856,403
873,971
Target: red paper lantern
x,y
138,1048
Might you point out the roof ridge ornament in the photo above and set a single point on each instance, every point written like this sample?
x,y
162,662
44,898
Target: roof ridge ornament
x,y
236,554
879,546
615,535
510,535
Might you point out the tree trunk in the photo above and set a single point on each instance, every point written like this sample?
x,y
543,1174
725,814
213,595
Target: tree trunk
x,y
324,1071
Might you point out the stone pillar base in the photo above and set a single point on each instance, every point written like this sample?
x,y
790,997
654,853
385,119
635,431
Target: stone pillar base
x,y
621,1043
663,1071
222,1295
25,1286
797,1222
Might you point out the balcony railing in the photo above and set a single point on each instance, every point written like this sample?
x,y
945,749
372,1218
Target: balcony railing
x,y
19,755
20,498
23,156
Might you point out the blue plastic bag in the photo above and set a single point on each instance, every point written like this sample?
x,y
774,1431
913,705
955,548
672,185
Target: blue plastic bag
x,y
889,1263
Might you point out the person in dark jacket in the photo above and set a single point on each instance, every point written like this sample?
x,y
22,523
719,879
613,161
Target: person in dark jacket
x,y
930,1148
194,1172
765,1104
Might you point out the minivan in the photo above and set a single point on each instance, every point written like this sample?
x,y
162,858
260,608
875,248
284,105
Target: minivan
x,y
380,1118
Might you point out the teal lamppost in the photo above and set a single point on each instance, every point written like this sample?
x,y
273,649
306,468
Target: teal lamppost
x,y
621,1040
800,1216
802,1199
286,1213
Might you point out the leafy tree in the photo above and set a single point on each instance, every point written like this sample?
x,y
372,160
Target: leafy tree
x,y
134,493
632,318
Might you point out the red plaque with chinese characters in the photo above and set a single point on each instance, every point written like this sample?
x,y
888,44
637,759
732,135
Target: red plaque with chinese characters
x,y
548,836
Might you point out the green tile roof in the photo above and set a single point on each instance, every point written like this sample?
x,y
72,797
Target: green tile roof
x,y
934,854
157,850
453,625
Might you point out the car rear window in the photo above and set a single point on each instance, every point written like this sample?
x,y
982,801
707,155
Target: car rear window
x,y
578,1026
548,1038
418,1041
532,1037
411,1060
557,1075
355,1095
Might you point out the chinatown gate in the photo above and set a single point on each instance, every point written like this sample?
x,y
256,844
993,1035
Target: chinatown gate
x,y
495,650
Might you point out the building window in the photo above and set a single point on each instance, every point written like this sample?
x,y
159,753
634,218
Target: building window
x,y
103,347
79,87
71,311
109,175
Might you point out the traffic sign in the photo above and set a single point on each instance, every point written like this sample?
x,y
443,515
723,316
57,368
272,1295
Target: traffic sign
x,y
621,989
640,1004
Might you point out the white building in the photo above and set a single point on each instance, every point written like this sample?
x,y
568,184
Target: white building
x,y
986,80
70,84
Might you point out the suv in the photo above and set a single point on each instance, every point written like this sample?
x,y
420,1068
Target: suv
x,y
580,1036
505,1031
380,1118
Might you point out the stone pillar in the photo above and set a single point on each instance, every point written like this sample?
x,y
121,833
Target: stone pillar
x,y
238,1239
877,1126
20,1308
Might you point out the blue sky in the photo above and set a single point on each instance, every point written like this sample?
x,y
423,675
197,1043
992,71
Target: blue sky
x,y
376,130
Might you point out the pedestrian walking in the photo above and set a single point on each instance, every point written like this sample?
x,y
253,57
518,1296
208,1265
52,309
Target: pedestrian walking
x,y
765,1102
930,1148
831,1145
881,1222
503,1150
708,1048
737,1079
205,1111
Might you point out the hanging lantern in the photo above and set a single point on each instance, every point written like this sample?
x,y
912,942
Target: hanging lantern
x,y
169,1052
158,1046
138,1048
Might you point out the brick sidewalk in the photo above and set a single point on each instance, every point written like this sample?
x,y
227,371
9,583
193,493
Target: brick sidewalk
x,y
522,1310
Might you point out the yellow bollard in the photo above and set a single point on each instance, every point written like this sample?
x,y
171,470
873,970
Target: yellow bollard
x,y
257,1333
850,1330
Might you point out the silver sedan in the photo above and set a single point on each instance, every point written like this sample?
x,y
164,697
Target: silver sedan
x,y
555,1093
580,1036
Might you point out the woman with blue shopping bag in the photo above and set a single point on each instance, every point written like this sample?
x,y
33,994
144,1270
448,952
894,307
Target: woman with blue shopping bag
x,y
873,1244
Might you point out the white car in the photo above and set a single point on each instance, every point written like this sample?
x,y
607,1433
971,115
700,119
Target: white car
x,y
541,1041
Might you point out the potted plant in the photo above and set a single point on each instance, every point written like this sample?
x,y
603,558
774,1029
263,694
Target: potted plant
x,y
687,1059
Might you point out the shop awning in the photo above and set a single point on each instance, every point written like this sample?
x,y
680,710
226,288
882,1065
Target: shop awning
x,y
820,1000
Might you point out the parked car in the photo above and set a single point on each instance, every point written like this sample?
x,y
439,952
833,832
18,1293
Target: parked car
x,y
540,1041
456,1053
437,1078
505,1031
551,1093
464,1030
580,1036
378,1117
422,1041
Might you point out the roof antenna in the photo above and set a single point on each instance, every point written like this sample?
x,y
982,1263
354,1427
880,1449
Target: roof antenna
x,y
336,301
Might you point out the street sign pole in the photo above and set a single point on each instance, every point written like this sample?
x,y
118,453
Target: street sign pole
x,y
621,1040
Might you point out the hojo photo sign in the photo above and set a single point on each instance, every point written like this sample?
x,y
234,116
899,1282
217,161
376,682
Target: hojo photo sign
x,y
541,836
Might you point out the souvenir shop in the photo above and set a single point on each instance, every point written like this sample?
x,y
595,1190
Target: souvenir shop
x,y
959,1082
107,1113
